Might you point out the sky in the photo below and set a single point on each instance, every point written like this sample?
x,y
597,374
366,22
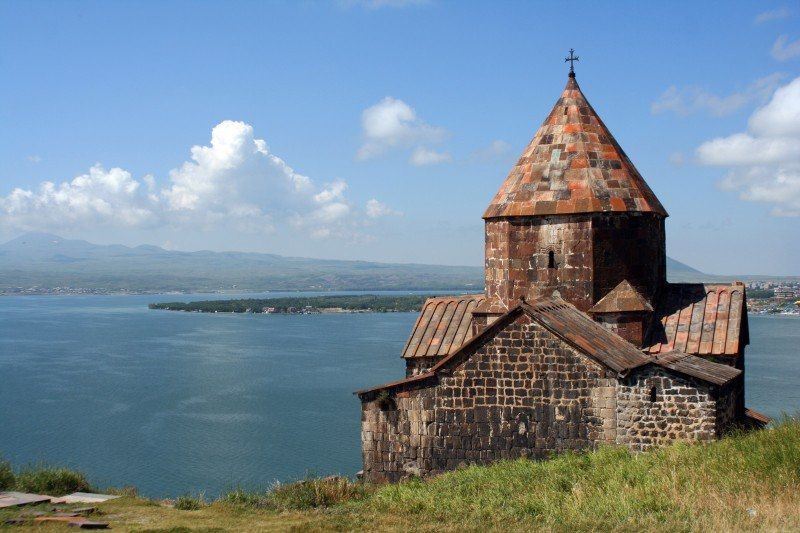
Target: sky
x,y
381,129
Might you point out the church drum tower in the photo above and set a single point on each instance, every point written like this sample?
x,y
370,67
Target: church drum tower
x,y
574,216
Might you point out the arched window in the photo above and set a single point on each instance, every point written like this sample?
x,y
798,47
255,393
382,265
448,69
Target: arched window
x,y
551,259
653,394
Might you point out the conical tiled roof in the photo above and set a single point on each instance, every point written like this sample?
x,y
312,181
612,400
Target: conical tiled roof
x,y
573,165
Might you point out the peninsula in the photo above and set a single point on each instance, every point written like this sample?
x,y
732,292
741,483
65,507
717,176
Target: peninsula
x,y
362,303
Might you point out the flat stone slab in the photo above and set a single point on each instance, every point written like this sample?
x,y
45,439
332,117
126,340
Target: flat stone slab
x,y
13,499
88,525
72,521
84,497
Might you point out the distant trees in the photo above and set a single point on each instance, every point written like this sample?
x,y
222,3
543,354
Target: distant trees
x,y
305,304
758,294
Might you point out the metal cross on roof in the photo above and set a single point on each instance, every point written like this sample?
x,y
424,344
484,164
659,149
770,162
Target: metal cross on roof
x,y
572,58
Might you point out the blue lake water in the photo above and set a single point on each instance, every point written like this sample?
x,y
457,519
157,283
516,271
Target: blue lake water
x,y
176,402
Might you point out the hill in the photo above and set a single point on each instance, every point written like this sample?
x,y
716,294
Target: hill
x,y
743,482
48,261
41,262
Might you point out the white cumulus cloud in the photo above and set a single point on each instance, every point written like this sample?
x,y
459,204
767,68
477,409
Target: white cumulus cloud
x,y
233,183
392,123
692,99
764,161
376,209
97,197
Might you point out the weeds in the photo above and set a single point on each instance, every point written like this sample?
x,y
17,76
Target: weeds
x,y
43,479
243,498
315,492
7,477
310,493
129,491
680,487
190,503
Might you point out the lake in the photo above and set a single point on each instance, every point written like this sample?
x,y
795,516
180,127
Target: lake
x,y
175,403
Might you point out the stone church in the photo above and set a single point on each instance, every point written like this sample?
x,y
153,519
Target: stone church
x,y
578,340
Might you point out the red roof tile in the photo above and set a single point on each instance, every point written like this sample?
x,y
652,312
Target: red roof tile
x,y
442,326
700,319
584,334
573,152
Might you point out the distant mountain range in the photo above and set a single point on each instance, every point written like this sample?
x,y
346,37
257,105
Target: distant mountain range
x,y
48,262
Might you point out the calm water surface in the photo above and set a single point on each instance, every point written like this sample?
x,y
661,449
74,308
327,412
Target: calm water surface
x,y
185,402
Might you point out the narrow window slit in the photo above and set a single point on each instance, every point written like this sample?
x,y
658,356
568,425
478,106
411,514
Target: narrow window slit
x,y
551,259
653,394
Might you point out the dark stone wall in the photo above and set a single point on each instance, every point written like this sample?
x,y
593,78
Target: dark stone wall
x,y
419,365
630,326
683,409
524,392
518,258
628,246
396,434
730,412
591,254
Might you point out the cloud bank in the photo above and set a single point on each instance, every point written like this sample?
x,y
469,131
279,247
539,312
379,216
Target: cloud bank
x,y
764,161
233,183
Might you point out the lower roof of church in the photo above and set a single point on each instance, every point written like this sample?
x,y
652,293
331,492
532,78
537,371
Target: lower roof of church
x,y
693,318
700,319
578,330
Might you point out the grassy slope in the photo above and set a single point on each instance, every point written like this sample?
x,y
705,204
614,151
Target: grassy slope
x,y
680,488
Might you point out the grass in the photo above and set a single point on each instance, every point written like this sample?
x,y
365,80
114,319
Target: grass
x,y
7,477
743,482
310,493
190,503
42,479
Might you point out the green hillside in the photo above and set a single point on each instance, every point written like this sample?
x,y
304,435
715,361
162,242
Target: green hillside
x,y
744,482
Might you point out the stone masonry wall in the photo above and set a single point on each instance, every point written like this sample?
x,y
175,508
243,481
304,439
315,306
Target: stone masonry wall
x,y
419,365
684,409
396,435
730,406
518,258
628,246
629,326
522,393
591,254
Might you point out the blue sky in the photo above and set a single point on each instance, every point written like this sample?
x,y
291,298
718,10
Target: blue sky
x,y
388,125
